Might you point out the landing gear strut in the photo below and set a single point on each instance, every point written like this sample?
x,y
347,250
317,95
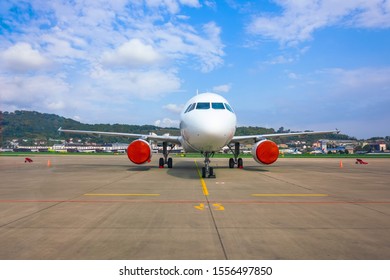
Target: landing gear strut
x,y
236,160
207,171
165,159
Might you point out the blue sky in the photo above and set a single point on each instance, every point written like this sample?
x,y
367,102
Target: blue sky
x,y
298,64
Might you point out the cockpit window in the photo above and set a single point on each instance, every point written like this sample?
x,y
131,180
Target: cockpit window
x,y
203,106
217,106
228,107
190,108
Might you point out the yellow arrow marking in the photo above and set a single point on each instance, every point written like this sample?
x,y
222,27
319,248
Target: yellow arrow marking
x,y
218,207
200,206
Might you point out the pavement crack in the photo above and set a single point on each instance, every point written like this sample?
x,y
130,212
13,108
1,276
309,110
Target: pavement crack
x,y
217,229
287,182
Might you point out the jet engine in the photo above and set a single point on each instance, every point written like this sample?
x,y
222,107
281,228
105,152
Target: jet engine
x,y
265,152
139,151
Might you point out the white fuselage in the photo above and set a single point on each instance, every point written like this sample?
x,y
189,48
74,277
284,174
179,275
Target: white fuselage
x,y
207,123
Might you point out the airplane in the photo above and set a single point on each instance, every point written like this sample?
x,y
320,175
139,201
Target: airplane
x,y
207,123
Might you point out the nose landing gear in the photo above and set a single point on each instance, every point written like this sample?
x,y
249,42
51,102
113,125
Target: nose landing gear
x,y
207,171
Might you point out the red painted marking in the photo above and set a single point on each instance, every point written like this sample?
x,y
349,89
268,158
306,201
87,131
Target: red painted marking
x,y
194,201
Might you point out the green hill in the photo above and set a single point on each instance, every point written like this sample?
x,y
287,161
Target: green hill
x,y
32,126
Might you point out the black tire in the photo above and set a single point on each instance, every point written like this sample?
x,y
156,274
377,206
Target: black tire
x,y
211,171
170,162
231,163
240,163
161,163
203,172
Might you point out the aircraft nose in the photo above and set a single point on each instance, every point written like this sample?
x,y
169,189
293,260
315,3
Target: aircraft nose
x,y
214,129
215,133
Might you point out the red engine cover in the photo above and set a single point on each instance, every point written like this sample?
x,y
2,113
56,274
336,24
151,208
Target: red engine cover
x,y
265,152
139,151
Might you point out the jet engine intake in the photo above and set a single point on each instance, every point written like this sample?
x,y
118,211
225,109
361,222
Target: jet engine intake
x,y
265,152
139,151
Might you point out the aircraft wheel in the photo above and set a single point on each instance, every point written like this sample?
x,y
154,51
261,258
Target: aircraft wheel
x,y
203,172
170,162
240,163
211,170
231,163
161,163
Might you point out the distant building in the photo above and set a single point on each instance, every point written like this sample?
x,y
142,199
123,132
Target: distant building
x,y
334,146
379,146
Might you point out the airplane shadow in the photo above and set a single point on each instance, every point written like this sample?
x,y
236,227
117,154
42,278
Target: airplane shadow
x,y
140,168
255,169
184,170
188,170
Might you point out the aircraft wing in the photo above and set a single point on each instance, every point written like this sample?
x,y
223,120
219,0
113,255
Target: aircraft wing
x,y
256,138
146,137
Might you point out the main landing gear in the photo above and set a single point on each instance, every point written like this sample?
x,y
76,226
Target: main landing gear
x,y
207,170
236,160
165,159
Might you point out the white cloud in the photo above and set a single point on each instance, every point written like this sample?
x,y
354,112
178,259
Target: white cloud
x,y
181,42
190,3
222,88
301,18
120,33
212,47
166,122
133,53
65,48
77,118
280,59
105,53
40,92
21,57
356,83
141,84
211,4
293,76
172,6
174,108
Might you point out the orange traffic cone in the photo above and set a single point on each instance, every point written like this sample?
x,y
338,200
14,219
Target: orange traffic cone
x,y
341,164
48,163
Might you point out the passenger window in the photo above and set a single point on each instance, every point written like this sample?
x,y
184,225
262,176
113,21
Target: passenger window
x,y
217,106
229,108
203,106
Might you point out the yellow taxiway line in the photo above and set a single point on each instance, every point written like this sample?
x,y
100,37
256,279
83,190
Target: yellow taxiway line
x,y
121,194
204,187
289,194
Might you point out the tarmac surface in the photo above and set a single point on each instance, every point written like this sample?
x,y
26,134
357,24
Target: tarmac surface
x,y
104,207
